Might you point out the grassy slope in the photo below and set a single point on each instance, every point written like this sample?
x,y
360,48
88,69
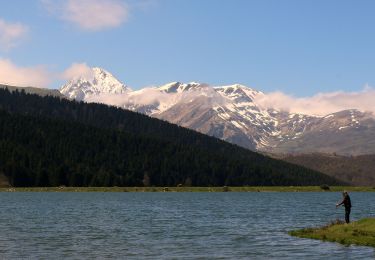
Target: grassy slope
x,y
356,170
361,232
188,189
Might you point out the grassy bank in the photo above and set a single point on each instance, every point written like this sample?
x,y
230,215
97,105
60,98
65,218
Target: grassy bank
x,y
189,189
361,233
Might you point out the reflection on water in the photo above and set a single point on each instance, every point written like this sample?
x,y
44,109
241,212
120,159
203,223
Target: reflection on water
x,y
172,225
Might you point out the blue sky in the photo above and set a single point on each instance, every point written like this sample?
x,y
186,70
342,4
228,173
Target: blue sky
x,y
299,47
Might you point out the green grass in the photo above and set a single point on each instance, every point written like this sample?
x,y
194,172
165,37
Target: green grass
x,y
361,232
188,189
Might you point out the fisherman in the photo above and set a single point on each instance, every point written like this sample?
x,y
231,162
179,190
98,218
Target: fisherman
x,y
347,204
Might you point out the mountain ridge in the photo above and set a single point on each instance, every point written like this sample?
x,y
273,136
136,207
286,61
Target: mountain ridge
x,y
232,113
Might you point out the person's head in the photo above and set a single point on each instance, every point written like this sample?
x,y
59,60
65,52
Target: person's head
x,y
345,193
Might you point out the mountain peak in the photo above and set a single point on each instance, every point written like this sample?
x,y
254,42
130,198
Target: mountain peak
x,y
170,87
98,69
101,71
238,92
100,82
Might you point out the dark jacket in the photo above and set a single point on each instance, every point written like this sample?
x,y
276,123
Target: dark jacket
x,y
346,201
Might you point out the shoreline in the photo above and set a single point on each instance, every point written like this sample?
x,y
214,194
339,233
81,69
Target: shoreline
x,y
360,233
191,189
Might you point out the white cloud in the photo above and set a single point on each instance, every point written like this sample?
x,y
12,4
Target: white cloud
x,y
11,34
321,103
12,74
77,70
39,76
90,15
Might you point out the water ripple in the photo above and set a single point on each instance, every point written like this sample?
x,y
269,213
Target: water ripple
x,y
172,225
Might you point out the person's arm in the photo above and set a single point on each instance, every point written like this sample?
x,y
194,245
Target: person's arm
x,y
339,204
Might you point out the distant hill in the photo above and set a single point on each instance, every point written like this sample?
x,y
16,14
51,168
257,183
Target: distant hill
x,y
356,170
49,141
33,90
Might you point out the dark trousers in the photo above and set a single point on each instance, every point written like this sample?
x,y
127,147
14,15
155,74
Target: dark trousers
x,y
347,213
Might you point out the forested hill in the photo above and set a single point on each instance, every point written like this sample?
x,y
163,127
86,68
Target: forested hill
x,y
355,170
48,141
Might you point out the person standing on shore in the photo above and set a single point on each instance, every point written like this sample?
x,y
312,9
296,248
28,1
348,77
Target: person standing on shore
x,y
347,204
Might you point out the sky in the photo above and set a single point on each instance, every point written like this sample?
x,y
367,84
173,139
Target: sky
x,y
298,48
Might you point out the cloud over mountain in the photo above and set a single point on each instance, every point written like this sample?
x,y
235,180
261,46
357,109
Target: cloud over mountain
x,y
12,74
39,75
77,70
321,103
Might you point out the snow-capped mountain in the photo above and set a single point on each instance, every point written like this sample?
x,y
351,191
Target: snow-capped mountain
x,y
348,132
232,113
99,82
226,112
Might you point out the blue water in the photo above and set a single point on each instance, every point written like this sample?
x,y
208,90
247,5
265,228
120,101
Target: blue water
x,y
173,225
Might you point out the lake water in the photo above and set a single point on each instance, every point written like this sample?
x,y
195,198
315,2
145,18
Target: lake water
x,y
173,225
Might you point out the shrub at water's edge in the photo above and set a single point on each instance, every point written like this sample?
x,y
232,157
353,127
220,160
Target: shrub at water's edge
x,y
361,232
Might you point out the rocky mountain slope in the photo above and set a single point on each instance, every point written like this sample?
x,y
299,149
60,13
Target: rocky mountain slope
x,y
232,113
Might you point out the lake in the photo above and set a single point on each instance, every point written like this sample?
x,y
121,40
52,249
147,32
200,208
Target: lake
x,y
173,225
